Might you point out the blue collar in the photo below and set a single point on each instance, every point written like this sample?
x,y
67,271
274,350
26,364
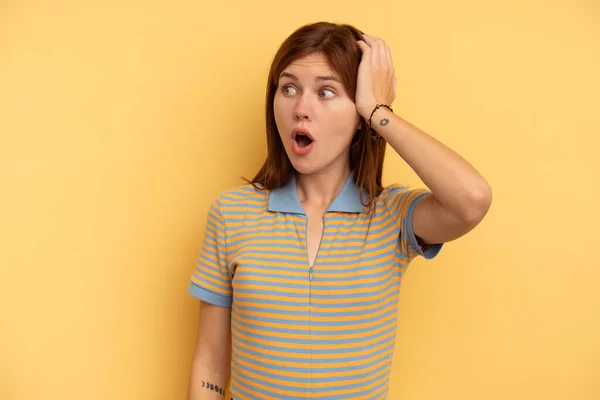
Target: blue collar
x,y
285,199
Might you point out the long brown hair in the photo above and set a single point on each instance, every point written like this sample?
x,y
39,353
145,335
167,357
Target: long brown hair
x,y
337,43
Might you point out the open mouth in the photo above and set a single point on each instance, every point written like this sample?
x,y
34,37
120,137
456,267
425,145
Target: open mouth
x,y
302,140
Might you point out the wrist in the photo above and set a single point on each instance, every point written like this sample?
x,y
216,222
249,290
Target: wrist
x,y
366,111
378,113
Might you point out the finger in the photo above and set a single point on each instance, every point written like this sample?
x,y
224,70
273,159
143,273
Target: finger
x,y
381,48
374,44
389,57
369,39
367,53
364,47
384,53
372,39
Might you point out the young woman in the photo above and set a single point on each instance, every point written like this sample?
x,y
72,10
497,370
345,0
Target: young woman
x,y
300,270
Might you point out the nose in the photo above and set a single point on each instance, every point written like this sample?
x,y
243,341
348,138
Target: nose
x,y
300,117
302,110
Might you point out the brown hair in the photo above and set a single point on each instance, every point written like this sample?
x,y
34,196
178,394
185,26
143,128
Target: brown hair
x,y
337,43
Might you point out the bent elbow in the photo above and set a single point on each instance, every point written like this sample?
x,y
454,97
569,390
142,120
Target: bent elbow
x,y
480,201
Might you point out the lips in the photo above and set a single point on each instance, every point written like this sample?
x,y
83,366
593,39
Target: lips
x,y
302,141
300,133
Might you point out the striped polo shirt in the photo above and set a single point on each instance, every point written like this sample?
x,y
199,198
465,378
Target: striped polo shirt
x,y
325,332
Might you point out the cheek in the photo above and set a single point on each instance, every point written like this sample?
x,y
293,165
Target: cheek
x,y
345,121
278,112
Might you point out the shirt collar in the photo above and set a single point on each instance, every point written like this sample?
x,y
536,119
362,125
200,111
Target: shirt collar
x,y
285,199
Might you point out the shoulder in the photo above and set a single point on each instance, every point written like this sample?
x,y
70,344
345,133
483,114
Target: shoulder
x,y
395,191
400,200
244,192
392,189
241,197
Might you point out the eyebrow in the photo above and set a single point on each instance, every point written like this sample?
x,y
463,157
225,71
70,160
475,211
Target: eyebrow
x,y
317,78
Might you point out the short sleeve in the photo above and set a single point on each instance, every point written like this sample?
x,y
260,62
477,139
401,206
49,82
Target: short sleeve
x,y
211,280
401,202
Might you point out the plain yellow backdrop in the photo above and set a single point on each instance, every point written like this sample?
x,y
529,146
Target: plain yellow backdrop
x,y
121,120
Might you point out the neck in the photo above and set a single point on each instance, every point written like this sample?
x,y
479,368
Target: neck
x,y
321,188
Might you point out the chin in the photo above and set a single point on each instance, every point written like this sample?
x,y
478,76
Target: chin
x,y
305,167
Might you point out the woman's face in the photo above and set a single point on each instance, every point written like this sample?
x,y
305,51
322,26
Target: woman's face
x,y
315,117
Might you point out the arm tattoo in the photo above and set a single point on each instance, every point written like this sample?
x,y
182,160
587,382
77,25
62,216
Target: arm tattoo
x,y
211,387
384,122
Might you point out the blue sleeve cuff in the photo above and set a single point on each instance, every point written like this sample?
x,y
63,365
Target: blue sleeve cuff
x,y
433,249
208,296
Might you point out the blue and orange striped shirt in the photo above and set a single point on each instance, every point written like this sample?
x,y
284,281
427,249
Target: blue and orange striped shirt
x,y
325,332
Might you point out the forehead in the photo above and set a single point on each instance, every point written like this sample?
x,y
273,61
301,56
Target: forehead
x,y
311,65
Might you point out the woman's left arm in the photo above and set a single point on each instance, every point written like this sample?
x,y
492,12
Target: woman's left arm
x,y
460,196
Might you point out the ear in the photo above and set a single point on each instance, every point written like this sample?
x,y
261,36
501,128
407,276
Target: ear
x,y
359,123
355,138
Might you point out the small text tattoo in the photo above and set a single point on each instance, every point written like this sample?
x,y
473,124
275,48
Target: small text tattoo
x,y
384,122
212,387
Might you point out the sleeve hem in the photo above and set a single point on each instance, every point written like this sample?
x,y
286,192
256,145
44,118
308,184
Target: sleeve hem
x,y
208,296
433,249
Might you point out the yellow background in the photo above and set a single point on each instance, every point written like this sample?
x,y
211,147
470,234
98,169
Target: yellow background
x,y
121,120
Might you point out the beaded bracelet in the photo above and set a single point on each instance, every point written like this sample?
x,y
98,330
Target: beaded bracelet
x,y
375,135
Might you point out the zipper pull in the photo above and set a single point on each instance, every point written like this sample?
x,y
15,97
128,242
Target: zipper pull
x,y
310,274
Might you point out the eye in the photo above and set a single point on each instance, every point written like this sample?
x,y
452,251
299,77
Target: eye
x,y
326,94
288,90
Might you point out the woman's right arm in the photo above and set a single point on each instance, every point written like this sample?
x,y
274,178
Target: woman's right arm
x,y
211,364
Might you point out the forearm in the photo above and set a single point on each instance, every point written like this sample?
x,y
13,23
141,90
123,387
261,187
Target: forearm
x,y
455,184
206,383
